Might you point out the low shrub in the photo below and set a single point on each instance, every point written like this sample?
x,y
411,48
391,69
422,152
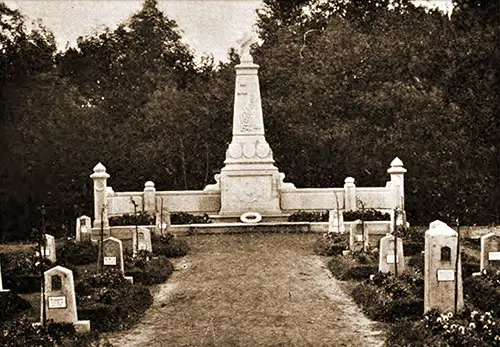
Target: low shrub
x,y
305,216
110,302
11,305
347,268
484,291
471,243
366,215
154,271
387,298
187,218
359,272
332,244
169,246
412,248
141,218
22,333
466,329
73,253
21,271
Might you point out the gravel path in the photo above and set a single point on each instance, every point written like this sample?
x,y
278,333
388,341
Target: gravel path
x,y
251,290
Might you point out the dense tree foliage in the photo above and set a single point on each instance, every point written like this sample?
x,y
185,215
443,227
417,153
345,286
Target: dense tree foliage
x,y
346,86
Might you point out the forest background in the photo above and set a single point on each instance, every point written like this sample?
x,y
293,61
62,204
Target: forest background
x,y
346,87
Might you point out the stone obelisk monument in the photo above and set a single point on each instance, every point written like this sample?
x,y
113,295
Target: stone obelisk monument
x,y
249,181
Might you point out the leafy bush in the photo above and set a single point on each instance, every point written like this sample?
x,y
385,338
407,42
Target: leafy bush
x,y
332,244
110,302
187,218
387,298
484,291
73,253
21,271
412,248
346,268
303,216
22,333
366,215
169,246
148,272
11,305
141,218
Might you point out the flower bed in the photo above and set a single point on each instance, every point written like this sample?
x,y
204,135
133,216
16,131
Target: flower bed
x,y
110,302
169,246
19,272
148,272
22,333
467,329
303,216
73,253
387,298
355,266
11,305
141,218
332,244
366,215
187,218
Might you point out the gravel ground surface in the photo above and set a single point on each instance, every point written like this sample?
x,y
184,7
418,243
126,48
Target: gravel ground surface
x,y
251,290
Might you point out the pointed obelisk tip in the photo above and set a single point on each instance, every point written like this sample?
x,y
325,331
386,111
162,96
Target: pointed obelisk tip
x,y
246,43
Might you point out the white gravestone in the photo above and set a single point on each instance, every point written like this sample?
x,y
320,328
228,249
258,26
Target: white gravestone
x,y
490,250
83,229
1,283
60,298
335,221
49,251
358,237
143,242
389,255
112,252
440,277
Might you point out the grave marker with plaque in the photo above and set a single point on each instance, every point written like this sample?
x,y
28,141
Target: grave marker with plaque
x,y
387,258
60,298
441,280
112,254
144,242
490,250
358,237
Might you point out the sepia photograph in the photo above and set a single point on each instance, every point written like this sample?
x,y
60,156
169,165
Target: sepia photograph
x,y
249,173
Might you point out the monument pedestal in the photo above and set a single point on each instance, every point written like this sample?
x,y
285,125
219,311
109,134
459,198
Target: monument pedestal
x,y
249,181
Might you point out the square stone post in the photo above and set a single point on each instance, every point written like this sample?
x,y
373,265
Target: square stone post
x,y
442,282
149,200
100,178
397,187
350,194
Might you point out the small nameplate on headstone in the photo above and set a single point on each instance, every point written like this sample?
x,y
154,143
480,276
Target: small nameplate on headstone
x,y
57,302
493,255
109,260
359,238
446,275
390,259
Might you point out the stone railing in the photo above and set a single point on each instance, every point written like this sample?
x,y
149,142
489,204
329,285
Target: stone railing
x,y
385,199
